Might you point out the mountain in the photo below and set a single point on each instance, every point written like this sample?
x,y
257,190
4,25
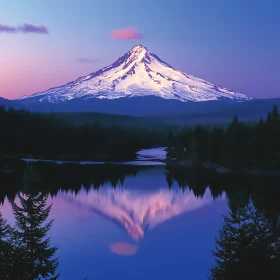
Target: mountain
x,y
138,73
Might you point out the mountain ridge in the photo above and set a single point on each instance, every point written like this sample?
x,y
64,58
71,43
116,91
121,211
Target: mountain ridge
x,y
138,73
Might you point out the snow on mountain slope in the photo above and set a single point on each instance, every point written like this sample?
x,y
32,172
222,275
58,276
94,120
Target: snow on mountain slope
x,y
137,73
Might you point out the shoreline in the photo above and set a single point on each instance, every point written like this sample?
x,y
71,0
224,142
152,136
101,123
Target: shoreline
x,y
219,168
103,158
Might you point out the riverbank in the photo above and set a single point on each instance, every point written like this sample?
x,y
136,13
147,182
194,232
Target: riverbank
x,y
219,168
151,156
64,157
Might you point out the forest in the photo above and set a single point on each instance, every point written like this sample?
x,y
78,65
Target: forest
x,y
239,146
48,136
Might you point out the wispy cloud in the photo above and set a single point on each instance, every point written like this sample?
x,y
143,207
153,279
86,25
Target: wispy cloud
x,y
128,33
87,60
30,28
7,29
25,28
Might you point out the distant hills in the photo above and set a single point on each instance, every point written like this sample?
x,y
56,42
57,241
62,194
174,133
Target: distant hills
x,y
143,109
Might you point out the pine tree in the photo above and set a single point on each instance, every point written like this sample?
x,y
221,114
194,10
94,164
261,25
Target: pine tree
x,y
4,228
268,118
264,251
232,144
11,255
171,145
231,245
247,247
32,228
6,250
275,113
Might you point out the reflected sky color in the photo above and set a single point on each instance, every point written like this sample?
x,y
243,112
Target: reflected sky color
x,y
140,230
124,249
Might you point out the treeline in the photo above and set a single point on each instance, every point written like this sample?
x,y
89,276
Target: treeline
x,y
65,177
240,146
46,135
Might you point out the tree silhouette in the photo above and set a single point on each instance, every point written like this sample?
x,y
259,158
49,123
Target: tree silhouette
x,y
275,113
247,247
31,215
52,136
6,256
240,147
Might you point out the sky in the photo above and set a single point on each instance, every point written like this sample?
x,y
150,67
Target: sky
x,y
234,44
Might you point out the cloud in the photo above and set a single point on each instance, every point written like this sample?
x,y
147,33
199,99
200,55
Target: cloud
x,y
128,33
30,28
87,60
25,28
7,29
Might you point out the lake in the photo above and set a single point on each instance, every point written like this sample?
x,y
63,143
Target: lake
x,y
135,220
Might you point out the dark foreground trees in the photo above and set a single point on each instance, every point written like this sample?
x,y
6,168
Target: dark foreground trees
x,y
248,247
26,252
6,249
238,147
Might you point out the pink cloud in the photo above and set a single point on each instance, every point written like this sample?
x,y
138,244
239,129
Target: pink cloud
x,y
25,28
30,28
128,33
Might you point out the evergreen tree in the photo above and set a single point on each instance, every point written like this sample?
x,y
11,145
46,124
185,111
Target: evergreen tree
x,y
12,264
171,141
232,144
264,249
216,145
268,118
4,228
32,228
247,247
231,245
275,113
6,250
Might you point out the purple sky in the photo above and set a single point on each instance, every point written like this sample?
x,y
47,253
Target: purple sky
x,y
234,44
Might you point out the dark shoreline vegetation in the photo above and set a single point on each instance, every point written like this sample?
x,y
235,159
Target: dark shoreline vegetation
x,y
249,235
46,136
240,148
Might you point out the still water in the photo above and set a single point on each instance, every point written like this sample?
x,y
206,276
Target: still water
x,y
131,222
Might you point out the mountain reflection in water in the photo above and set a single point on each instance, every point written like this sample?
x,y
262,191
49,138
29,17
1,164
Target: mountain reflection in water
x,y
139,211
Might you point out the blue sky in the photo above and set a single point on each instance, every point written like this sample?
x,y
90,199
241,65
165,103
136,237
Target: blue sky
x,y
234,44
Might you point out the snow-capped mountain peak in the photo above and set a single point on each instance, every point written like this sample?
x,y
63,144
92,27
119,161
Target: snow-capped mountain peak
x,y
138,72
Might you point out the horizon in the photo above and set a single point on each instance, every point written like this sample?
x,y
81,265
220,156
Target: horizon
x,y
57,48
